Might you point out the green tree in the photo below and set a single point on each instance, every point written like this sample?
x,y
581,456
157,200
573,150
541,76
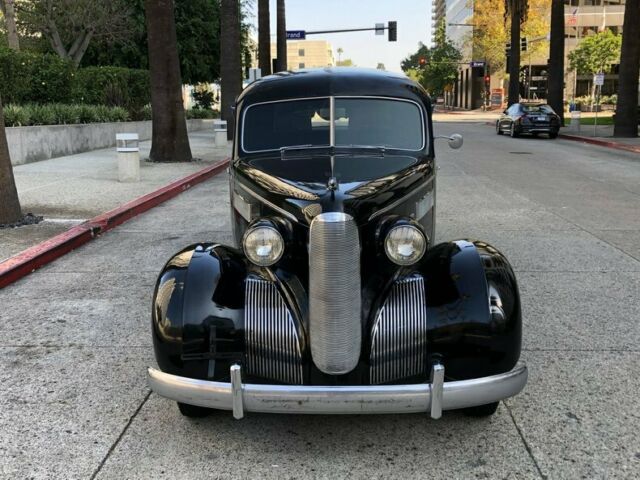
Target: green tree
x,y
441,63
516,12
71,25
7,7
595,54
169,142
264,37
626,123
556,59
9,203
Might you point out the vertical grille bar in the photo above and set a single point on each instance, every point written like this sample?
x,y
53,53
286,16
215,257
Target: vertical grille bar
x,y
399,334
335,326
272,342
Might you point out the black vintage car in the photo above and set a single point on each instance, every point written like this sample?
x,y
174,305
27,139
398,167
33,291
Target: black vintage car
x,y
335,298
528,118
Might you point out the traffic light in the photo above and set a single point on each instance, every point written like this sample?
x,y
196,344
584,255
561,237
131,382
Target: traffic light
x,y
393,31
523,44
487,80
422,61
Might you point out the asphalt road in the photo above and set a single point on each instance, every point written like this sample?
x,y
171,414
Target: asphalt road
x,y
75,341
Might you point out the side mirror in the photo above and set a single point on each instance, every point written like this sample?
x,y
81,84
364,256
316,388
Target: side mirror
x,y
455,140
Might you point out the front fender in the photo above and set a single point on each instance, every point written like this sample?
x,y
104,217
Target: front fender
x,y
473,309
197,313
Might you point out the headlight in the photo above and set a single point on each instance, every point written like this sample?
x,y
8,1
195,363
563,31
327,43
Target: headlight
x,y
263,245
405,245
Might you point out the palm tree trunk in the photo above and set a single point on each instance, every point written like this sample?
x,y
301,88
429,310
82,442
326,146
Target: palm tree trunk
x,y
9,202
264,37
230,61
514,60
555,95
9,11
626,122
169,140
282,36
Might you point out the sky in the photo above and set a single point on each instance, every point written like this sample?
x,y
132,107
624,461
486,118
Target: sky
x,y
366,49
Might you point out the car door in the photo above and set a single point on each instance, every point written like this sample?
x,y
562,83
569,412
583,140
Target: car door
x,y
503,120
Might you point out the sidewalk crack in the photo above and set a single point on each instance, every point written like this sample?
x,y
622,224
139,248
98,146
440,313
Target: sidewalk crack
x,y
122,434
525,443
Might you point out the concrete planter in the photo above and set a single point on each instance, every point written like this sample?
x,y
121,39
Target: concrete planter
x,y
32,144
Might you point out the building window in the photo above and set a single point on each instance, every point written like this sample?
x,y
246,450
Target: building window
x,y
301,52
301,65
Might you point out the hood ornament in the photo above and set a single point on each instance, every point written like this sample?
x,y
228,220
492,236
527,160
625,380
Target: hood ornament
x,y
332,184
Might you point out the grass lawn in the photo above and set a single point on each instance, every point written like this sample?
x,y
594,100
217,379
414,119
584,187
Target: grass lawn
x,y
604,118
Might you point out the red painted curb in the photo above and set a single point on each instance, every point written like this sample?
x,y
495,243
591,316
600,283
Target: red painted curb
x,y
46,252
601,143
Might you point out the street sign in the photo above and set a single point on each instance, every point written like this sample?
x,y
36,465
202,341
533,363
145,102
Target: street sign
x,y
476,64
379,28
296,34
598,79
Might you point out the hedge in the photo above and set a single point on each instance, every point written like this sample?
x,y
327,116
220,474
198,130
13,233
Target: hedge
x,y
114,86
38,78
60,114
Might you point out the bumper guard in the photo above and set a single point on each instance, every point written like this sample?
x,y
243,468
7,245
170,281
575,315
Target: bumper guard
x,y
431,397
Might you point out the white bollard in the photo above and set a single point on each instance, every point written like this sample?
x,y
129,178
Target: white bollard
x,y
128,157
575,120
220,132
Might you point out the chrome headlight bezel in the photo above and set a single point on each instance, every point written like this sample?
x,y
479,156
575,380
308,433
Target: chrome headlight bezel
x,y
420,244
278,246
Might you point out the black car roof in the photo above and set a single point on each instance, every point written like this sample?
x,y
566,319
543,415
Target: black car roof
x,y
330,81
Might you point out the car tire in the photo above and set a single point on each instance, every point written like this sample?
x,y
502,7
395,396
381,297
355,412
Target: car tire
x,y
498,130
553,135
513,132
193,411
481,410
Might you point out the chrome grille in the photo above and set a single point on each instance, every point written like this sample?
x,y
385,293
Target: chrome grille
x,y
334,293
399,334
272,340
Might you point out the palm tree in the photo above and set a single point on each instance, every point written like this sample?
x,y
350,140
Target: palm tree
x,y
555,95
516,10
264,37
340,52
282,36
626,122
230,61
10,211
169,141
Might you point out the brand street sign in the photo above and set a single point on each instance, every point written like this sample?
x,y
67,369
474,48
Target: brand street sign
x,y
296,34
476,64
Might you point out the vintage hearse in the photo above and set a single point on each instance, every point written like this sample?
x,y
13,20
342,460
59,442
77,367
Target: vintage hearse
x,y
335,299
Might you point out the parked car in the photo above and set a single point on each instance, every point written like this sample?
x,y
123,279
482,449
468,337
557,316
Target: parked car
x,y
335,298
531,118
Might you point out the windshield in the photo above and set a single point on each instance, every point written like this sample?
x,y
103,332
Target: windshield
x,y
389,123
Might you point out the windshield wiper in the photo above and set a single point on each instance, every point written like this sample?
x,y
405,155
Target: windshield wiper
x,y
295,147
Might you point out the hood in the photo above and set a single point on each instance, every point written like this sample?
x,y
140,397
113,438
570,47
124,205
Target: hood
x,y
301,184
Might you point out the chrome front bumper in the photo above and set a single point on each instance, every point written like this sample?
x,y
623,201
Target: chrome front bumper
x,y
424,397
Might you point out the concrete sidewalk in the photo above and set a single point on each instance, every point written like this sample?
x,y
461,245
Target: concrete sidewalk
x,y
601,135
69,190
75,339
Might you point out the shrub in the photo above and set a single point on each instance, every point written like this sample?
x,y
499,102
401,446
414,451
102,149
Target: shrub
x,y
60,114
201,113
15,116
113,86
32,77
